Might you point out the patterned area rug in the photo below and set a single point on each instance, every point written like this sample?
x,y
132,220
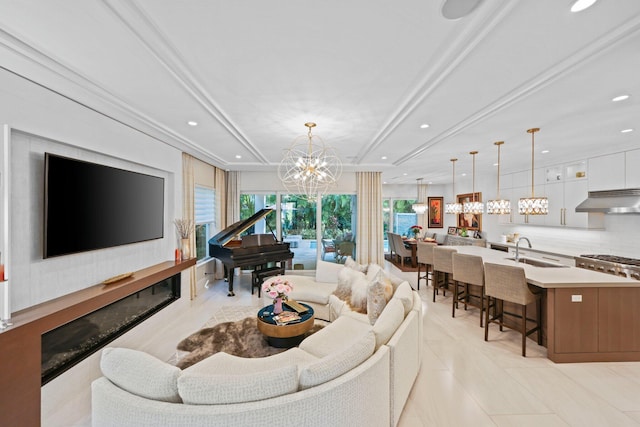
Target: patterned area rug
x,y
240,338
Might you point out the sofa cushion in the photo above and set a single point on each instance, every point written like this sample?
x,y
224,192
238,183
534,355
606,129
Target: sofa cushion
x,y
141,374
305,288
328,271
337,363
358,299
223,379
404,293
379,293
390,319
335,337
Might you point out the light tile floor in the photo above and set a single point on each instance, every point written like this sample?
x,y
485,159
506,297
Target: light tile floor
x,y
466,381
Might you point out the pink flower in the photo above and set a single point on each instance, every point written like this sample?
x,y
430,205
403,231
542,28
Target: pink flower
x,y
277,287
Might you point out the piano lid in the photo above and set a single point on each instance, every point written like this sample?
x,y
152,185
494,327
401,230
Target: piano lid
x,y
226,235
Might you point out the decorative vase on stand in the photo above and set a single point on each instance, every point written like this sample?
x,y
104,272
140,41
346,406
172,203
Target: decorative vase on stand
x,y
277,305
186,249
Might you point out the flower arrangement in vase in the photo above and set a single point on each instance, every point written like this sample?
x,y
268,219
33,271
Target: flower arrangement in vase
x,y
277,288
185,227
416,230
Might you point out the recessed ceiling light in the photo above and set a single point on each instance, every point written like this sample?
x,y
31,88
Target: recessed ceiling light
x,y
580,5
620,98
384,157
544,151
430,182
192,123
405,174
238,156
464,174
424,126
495,164
626,130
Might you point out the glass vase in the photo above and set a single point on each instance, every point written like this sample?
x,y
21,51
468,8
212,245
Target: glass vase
x,y
186,249
277,305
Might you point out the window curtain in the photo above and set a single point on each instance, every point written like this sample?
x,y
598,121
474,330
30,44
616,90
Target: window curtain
x,y
369,238
188,210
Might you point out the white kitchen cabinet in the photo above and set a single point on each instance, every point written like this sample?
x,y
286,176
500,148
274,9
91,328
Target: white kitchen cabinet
x,y
607,172
563,199
632,169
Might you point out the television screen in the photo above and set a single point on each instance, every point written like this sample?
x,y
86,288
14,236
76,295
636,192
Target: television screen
x,y
89,206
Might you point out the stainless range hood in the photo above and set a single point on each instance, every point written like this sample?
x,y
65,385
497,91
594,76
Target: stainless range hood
x,y
612,202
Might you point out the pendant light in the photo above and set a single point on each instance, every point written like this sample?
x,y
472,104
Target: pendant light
x,y
533,205
453,207
419,207
498,206
473,207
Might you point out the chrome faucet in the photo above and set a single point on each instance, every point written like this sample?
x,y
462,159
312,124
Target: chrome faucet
x,y
518,247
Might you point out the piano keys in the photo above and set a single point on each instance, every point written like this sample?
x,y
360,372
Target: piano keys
x,y
255,250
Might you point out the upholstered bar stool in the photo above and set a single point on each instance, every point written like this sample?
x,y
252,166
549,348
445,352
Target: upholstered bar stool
x,y
508,283
468,270
424,254
442,269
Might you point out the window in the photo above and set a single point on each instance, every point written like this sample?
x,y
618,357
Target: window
x,y
205,216
403,216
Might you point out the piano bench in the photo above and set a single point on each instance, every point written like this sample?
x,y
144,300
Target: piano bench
x,y
258,277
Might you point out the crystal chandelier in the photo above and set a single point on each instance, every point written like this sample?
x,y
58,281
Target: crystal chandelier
x,y
419,207
309,166
533,205
473,207
498,206
453,207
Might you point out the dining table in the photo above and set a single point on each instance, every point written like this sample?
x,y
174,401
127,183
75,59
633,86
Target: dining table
x,y
413,245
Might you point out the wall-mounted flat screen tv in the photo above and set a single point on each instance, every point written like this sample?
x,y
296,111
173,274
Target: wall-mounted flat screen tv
x,y
88,206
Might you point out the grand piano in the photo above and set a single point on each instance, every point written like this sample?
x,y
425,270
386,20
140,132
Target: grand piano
x,y
254,250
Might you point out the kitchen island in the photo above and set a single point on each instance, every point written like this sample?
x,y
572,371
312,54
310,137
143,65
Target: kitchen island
x,y
587,316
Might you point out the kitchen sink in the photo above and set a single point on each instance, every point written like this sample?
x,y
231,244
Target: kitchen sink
x,y
538,263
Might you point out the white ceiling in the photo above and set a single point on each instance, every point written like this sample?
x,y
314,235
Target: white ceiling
x,y
368,72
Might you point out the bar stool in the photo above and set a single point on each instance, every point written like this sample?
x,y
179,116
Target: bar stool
x,y
467,270
442,269
508,283
424,254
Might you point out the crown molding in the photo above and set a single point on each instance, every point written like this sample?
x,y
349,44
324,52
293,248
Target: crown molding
x,y
142,27
26,61
561,69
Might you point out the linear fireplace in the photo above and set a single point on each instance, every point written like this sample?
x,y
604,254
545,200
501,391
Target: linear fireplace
x,y
68,344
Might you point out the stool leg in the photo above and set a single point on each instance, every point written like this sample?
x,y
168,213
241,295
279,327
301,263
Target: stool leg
x,y
454,302
486,323
482,306
524,331
420,265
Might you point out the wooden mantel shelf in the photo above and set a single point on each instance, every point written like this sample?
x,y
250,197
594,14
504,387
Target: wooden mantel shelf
x,y
20,358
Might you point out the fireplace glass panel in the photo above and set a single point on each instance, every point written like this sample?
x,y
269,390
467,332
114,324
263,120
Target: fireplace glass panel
x,y
67,345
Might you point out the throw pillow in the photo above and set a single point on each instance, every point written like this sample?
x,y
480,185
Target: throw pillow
x,y
345,277
350,263
404,293
358,300
379,293
327,272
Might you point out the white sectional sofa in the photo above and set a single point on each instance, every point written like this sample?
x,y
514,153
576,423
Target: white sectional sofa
x,y
350,372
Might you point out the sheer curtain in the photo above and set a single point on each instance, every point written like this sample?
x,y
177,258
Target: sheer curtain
x,y
369,238
188,211
223,202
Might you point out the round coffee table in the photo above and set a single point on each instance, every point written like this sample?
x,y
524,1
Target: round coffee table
x,y
284,336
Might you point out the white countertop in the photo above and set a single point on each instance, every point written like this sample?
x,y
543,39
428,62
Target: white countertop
x,y
552,277
537,248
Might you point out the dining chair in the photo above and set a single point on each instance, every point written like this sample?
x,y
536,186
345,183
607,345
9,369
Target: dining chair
x,y
392,247
345,249
508,283
401,250
468,270
442,269
424,254
328,246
